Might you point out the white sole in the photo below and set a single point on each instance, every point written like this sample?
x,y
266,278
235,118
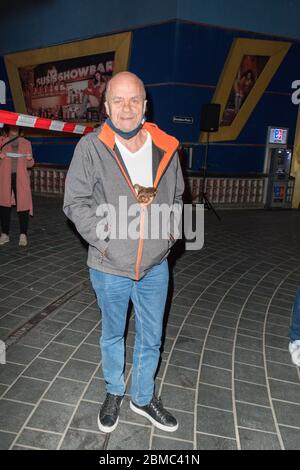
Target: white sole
x,y
105,428
155,423
292,350
295,362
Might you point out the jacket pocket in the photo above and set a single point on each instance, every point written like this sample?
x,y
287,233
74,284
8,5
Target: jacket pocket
x,y
154,251
121,253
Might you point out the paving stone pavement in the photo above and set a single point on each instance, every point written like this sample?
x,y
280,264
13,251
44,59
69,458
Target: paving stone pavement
x,y
225,370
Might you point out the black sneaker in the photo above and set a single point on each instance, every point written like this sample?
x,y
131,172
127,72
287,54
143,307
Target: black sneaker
x,y
108,416
157,414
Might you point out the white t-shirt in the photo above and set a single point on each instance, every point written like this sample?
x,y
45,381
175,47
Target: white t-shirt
x,y
138,164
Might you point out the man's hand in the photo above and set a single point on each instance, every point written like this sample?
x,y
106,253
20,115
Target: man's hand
x,y
29,157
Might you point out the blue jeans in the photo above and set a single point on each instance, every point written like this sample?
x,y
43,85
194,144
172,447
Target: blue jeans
x,y
295,325
148,296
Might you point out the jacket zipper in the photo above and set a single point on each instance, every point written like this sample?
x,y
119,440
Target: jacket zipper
x,y
141,243
142,216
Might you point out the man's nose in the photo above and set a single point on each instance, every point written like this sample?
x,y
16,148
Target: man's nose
x,y
126,105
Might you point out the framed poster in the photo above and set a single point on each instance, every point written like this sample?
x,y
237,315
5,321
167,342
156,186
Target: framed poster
x,y
249,68
67,82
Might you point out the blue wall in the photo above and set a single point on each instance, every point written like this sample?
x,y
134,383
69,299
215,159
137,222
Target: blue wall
x,y
201,52
278,17
48,22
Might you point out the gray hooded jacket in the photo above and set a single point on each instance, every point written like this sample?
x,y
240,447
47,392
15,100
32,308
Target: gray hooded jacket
x,y
96,179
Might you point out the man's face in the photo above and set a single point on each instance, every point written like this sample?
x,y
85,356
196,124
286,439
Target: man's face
x,y
125,103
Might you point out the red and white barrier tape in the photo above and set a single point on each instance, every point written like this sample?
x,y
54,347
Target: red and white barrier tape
x,y
25,120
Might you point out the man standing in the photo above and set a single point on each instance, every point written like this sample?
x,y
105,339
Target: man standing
x,y
108,166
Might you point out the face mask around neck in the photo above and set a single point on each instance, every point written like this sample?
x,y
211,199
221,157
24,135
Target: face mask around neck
x,y
125,135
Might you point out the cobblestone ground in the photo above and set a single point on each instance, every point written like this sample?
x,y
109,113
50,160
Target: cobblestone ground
x,y
225,371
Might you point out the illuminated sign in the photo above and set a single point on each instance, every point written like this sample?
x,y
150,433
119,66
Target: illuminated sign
x,y
278,135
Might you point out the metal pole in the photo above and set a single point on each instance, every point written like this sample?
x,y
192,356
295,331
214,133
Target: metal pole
x,y
204,168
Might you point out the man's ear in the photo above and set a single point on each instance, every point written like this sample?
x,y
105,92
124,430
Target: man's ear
x,y
145,106
106,108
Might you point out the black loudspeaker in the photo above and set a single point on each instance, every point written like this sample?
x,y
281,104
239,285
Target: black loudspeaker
x,y
210,116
